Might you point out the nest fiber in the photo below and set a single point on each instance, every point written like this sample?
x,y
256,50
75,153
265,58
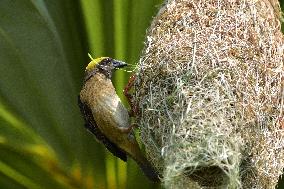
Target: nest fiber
x,y
210,91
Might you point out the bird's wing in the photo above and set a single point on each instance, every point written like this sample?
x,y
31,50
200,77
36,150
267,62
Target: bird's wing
x,y
91,125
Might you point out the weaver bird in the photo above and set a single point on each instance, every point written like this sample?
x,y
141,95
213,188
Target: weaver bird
x,y
106,117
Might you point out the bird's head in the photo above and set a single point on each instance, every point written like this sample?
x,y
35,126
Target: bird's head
x,y
104,65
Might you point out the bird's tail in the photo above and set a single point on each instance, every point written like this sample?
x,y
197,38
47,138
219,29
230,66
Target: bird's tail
x,y
148,169
134,151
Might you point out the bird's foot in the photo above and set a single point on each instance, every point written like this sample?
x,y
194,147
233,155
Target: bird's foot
x,y
129,129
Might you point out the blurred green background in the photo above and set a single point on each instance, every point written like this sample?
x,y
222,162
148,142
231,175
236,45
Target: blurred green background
x,y
44,46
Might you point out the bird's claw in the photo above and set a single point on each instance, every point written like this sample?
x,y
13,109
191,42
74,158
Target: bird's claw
x,y
129,129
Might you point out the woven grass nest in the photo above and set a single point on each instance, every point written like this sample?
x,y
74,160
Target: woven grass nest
x,y
210,91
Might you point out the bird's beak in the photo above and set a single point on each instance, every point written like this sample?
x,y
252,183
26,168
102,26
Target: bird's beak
x,y
118,64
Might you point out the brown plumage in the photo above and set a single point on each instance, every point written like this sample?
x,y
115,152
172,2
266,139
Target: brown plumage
x,y
106,117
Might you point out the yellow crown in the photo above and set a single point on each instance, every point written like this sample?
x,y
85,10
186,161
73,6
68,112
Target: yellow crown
x,y
94,62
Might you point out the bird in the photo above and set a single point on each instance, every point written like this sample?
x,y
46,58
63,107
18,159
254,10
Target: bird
x,y
106,117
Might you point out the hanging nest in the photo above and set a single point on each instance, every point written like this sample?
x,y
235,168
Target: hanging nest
x,y
210,94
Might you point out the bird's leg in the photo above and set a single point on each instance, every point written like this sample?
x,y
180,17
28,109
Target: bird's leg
x,y
129,129
280,120
133,108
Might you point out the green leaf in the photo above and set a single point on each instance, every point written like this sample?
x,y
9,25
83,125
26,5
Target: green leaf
x,y
42,59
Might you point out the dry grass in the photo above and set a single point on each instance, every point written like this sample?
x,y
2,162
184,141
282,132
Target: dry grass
x,y
210,90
